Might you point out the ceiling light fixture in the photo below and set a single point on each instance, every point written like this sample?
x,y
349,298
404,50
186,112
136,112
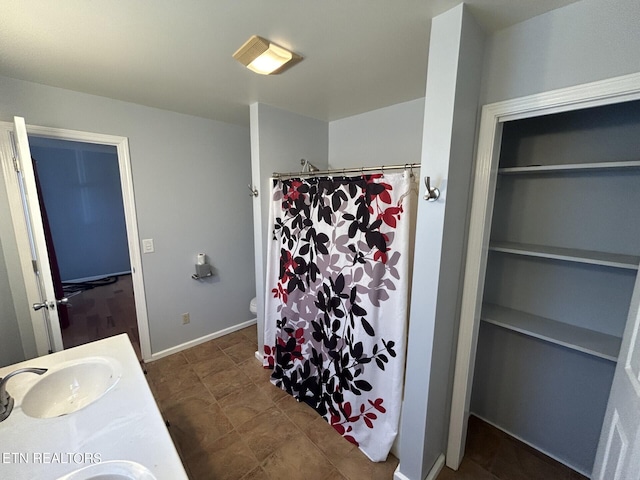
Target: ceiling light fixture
x,y
261,56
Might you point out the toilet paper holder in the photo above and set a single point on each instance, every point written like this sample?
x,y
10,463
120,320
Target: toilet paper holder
x,y
203,269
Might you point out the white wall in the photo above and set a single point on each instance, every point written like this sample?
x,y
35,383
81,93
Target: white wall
x,y
189,178
279,139
10,344
582,42
450,114
387,136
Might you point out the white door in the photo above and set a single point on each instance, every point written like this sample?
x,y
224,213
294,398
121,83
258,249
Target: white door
x,y
48,304
618,455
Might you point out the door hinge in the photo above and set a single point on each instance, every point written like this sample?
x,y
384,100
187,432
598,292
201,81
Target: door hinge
x,y
16,165
34,264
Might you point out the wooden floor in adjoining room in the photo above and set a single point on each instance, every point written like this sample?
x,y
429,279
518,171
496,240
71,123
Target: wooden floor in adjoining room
x,y
103,312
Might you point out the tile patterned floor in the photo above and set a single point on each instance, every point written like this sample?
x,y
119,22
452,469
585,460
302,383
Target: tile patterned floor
x,y
230,423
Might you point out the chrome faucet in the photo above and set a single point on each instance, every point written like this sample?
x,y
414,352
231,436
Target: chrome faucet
x,y
6,401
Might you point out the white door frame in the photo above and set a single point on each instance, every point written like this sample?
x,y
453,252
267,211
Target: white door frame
x,y
615,90
22,238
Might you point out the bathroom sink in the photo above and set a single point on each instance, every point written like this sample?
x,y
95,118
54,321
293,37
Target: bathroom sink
x,y
70,387
112,470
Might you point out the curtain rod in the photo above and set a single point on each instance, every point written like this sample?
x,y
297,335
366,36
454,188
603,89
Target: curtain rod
x,y
343,171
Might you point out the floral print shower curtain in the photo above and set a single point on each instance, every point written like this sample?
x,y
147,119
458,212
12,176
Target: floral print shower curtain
x,y
336,303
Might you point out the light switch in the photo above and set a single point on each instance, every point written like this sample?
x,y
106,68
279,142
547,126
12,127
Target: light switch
x,y
147,245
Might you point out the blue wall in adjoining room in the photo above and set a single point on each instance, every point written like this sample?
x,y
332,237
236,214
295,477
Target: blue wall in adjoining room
x,y
82,194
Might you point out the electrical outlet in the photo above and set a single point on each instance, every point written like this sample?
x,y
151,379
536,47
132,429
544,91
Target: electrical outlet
x,y
185,318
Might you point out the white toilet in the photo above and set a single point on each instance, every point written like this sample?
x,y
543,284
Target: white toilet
x,y
253,306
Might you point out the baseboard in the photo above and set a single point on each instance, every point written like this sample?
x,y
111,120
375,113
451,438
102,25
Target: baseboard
x,y
96,277
198,341
399,476
432,475
259,356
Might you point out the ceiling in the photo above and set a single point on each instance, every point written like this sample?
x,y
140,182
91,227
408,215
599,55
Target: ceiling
x,y
359,54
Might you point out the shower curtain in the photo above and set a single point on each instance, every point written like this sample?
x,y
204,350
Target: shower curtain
x,y
336,300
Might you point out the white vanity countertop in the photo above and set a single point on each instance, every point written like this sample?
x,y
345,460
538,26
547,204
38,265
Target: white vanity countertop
x,y
124,424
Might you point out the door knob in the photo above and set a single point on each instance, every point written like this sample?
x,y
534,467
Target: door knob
x,y
50,305
39,306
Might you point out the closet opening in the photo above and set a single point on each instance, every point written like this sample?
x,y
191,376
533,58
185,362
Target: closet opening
x,y
551,303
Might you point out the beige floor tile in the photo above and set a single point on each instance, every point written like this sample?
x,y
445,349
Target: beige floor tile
x,y
294,459
226,382
241,351
242,406
176,385
213,365
356,466
227,458
199,431
167,366
385,470
251,333
268,431
271,391
336,475
227,341
299,412
253,369
196,422
204,351
327,439
257,474
197,390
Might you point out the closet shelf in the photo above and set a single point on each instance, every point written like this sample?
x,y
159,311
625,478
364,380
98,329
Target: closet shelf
x,y
615,260
576,338
569,167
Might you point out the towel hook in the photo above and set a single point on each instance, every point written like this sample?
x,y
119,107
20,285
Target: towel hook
x,y
432,193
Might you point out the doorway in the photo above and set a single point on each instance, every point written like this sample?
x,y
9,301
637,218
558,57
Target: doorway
x,y
34,272
85,228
